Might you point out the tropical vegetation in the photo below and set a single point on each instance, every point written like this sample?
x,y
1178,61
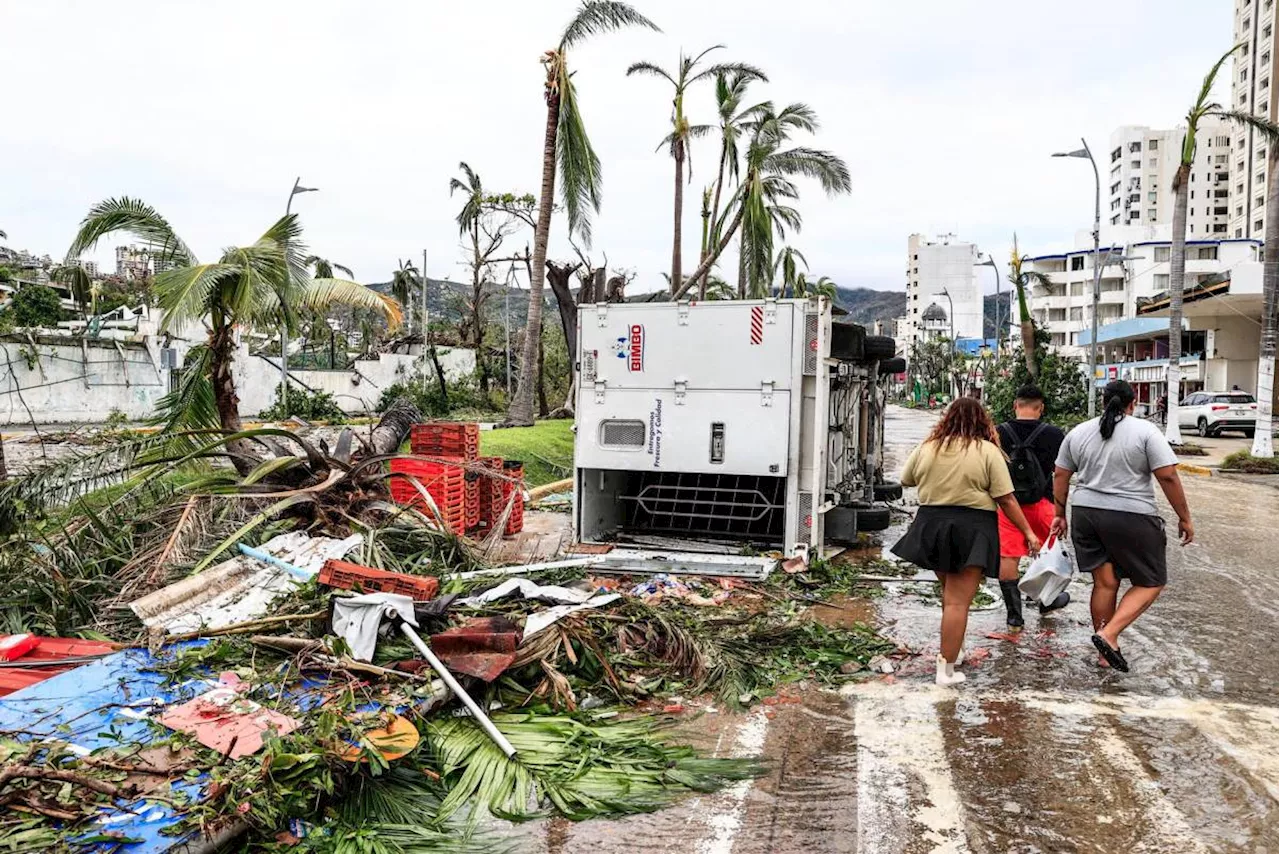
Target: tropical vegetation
x,y
566,148
262,284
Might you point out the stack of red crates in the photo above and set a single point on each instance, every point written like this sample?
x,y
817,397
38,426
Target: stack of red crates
x,y
513,492
444,482
459,492
446,439
349,576
490,494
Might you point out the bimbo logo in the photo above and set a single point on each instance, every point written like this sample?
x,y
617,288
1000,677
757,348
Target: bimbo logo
x,y
631,347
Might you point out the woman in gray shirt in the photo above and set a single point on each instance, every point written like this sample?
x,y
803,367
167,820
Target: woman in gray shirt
x,y
1115,526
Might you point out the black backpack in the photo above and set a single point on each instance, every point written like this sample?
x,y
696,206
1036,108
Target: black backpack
x,y
1029,479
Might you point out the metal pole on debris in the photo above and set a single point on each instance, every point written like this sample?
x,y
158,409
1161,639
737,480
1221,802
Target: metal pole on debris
x,y
438,666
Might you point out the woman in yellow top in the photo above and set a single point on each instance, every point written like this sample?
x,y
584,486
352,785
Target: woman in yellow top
x,y
961,475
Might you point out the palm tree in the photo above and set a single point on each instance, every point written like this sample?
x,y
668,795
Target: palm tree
x,y
564,140
683,133
405,282
734,119
1201,109
322,268
248,285
786,263
824,287
768,168
1021,279
77,282
714,287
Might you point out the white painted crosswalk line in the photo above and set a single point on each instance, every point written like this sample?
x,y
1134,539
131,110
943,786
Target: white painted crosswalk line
x,y
900,749
727,808
1166,827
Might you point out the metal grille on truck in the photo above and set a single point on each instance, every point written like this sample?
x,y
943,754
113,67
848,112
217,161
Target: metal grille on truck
x,y
750,507
626,434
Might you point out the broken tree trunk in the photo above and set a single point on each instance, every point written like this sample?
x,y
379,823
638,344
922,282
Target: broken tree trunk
x,y
393,427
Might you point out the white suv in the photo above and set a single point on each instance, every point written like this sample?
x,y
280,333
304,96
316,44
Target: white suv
x,y
1211,412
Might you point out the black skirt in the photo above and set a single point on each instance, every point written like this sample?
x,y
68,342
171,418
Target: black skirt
x,y
947,539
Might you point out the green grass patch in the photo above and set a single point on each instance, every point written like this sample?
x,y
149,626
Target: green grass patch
x,y
1243,461
546,449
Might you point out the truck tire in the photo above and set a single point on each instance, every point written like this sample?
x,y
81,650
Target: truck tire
x,y
879,348
870,519
896,365
890,491
847,341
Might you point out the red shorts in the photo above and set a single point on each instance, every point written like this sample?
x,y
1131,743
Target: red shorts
x,y
1039,517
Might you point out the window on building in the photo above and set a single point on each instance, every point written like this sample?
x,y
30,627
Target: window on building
x,y
1239,233
1077,314
1239,189
1264,82
1220,228
1153,144
1257,225
1244,96
1077,262
1244,74
1266,32
1258,202
1259,178
1262,107
1191,229
1151,196
1115,220
1161,281
1152,163
1261,154
1240,144
1161,254
1193,192
1239,212
1151,214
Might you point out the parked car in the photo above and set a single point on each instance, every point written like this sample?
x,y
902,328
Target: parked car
x,y
1211,412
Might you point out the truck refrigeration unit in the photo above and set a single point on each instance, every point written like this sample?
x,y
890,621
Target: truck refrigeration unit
x,y
728,427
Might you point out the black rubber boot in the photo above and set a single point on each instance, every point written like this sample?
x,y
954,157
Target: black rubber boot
x,y
1063,600
1012,604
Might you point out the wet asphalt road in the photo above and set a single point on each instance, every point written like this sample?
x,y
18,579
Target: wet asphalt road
x,y
1040,751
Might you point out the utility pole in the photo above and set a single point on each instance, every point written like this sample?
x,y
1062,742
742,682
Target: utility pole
x,y
424,322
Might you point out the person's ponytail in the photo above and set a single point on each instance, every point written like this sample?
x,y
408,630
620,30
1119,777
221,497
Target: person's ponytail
x,y
1116,398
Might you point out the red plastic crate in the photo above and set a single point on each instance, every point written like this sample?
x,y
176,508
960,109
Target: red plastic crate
x,y
472,498
446,438
347,576
513,493
490,495
444,482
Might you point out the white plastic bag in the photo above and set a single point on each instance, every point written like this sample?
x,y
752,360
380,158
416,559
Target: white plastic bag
x,y
1049,574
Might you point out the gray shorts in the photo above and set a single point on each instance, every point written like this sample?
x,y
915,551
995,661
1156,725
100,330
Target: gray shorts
x,y
1133,543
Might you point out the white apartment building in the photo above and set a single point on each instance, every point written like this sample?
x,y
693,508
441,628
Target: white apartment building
x,y
1253,90
1064,307
941,272
1139,182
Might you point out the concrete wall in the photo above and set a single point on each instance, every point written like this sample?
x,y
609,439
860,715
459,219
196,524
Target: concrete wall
x,y
54,382
61,380
356,390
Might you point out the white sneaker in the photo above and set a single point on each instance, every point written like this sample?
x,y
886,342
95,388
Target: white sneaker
x,y
946,674
960,657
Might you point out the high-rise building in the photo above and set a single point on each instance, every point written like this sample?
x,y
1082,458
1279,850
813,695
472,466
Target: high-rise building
x,y
1141,163
1253,90
133,263
940,272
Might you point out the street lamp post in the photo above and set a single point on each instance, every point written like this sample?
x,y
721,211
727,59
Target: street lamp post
x,y
951,318
284,320
991,262
1097,268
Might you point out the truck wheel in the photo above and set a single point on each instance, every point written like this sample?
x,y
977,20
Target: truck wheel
x,y
890,491
896,365
847,341
871,518
879,348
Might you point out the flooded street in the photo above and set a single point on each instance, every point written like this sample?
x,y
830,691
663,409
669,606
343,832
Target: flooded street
x,y
1040,751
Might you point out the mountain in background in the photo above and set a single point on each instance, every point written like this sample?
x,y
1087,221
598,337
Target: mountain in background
x,y
989,313
866,305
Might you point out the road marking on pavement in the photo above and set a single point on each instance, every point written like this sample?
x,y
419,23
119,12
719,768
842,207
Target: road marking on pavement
x,y
1168,825
897,733
726,816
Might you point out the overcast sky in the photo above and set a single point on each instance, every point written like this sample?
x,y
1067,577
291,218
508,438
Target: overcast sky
x,y
946,113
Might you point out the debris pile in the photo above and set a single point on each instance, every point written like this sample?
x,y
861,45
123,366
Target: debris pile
x,y
293,655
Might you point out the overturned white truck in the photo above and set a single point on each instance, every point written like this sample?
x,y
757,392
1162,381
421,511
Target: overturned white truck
x,y
729,427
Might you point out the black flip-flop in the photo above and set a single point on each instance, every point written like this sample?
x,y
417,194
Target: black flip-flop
x,y
1111,654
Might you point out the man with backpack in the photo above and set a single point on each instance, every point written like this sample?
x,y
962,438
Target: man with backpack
x,y
1032,447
